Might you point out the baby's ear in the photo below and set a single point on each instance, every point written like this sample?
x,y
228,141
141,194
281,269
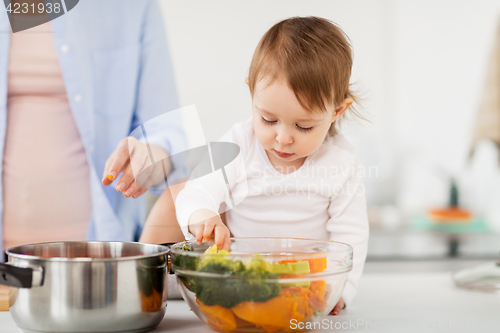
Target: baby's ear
x,y
346,103
246,80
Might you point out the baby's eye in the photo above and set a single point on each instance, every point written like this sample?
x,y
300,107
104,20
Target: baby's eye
x,y
267,122
304,129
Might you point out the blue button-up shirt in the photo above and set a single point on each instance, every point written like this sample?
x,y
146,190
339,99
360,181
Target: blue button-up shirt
x,y
118,75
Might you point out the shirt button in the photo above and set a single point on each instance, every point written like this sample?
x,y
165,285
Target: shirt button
x,y
91,148
78,98
65,48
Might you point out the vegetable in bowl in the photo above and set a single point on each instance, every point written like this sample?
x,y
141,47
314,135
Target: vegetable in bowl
x,y
250,279
265,292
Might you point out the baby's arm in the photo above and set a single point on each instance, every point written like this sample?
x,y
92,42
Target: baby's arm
x,y
161,225
206,192
198,203
348,224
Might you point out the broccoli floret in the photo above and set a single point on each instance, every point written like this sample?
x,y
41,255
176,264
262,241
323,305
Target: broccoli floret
x,y
243,282
255,288
190,263
232,291
186,261
258,263
185,247
220,258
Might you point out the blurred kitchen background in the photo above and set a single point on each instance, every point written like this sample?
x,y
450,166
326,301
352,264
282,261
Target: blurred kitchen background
x,y
421,67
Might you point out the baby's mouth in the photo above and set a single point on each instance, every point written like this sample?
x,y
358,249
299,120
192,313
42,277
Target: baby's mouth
x,y
281,154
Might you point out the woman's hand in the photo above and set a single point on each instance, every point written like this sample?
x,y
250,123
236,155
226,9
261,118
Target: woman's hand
x,y
340,305
134,158
205,224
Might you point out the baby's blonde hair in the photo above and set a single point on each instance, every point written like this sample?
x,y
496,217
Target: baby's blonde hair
x,y
312,55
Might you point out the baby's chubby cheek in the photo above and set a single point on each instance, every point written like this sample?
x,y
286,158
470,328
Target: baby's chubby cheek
x,y
307,147
264,137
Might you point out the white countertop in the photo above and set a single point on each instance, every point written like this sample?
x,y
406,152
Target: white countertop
x,y
386,302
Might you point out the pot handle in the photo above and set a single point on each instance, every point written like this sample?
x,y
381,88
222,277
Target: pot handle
x,y
169,261
20,277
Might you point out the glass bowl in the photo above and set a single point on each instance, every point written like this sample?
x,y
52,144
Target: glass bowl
x,y
262,284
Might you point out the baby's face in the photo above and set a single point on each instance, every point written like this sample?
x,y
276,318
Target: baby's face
x,y
287,131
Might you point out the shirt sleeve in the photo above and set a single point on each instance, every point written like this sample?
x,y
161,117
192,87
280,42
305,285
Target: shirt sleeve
x,y
348,223
209,191
156,94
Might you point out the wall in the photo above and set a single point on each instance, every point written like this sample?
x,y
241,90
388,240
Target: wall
x,y
419,65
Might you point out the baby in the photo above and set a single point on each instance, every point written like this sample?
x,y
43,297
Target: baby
x,y
295,175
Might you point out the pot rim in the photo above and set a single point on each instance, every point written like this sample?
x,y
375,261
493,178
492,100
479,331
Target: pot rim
x,y
12,254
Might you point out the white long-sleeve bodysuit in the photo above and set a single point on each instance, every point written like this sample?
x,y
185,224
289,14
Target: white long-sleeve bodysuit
x,y
323,199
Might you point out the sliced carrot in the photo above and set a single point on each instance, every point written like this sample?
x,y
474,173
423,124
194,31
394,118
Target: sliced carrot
x,y
276,313
240,323
218,317
318,288
316,265
316,303
270,329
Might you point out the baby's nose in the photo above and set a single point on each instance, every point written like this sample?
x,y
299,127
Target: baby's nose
x,y
283,138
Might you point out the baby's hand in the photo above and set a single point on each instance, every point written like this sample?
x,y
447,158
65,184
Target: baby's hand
x,y
340,305
205,224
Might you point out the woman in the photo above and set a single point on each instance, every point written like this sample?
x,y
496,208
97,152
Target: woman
x,y
72,89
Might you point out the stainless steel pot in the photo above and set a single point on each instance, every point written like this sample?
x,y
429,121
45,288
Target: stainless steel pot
x,y
87,286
